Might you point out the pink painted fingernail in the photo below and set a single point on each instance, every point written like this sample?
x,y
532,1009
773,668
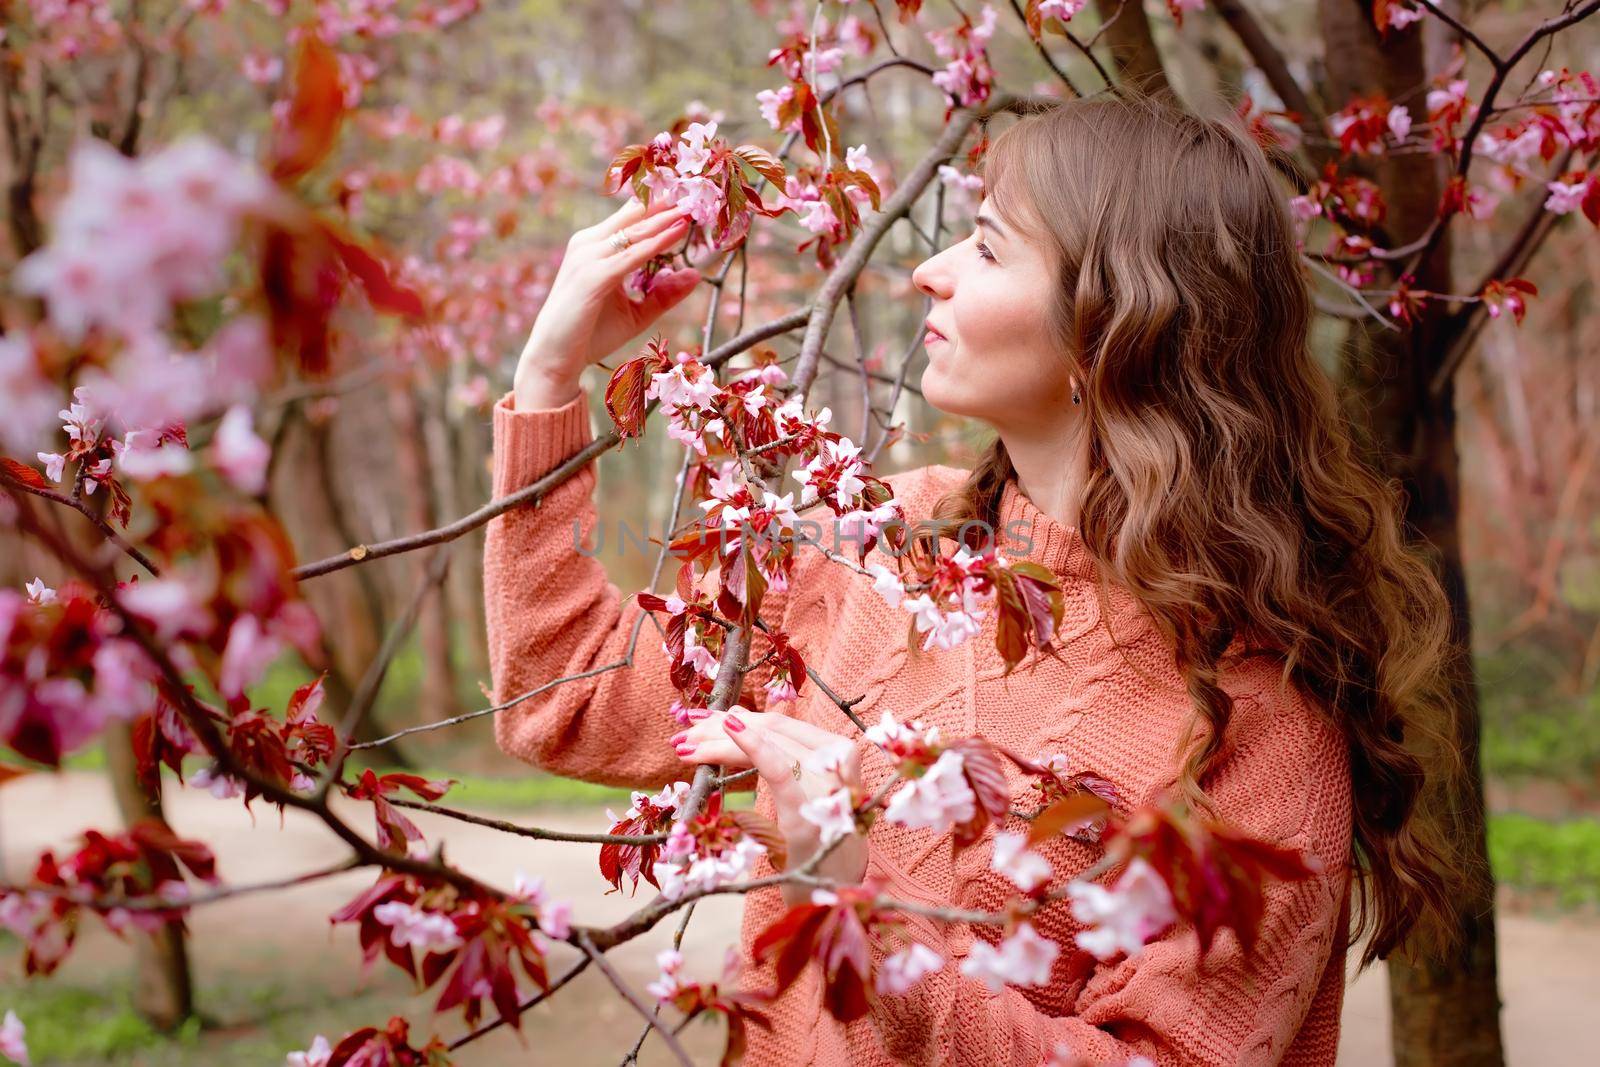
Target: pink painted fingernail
x,y
734,723
677,738
685,750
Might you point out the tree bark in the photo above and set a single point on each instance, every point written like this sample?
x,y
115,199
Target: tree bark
x,y
1445,1008
163,986
1132,48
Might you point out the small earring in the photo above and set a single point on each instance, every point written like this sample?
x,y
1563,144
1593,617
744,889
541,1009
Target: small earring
x,y
1076,399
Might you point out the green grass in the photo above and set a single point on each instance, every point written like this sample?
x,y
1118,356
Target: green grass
x,y
74,1023
1558,858
1532,729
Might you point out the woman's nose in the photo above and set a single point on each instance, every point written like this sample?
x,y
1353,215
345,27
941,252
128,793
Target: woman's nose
x,y
929,278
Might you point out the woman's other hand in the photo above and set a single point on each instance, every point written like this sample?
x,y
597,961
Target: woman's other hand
x,y
775,745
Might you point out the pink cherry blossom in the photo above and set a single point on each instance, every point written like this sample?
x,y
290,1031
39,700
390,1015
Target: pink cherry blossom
x,y
950,176
317,1055
250,651
1060,9
1399,122
239,454
133,237
1024,958
553,916
221,786
830,759
836,468
937,800
780,691
903,740
832,814
145,464
1016,861
1565,197
899,972
13,1039
771,100
1124,917
1401,16
887,584
680,872
55,465
261,68
30,397
409,925
664,988
170,605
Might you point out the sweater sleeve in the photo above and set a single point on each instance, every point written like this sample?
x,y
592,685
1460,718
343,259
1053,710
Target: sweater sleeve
x,y
551,611
1167,1004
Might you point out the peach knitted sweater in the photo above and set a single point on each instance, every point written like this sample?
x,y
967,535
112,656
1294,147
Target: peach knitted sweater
x,y
552,611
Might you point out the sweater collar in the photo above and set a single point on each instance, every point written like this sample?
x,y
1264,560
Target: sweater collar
x,y
1054,544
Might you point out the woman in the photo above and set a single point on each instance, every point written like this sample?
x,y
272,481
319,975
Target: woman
x,y
1244,627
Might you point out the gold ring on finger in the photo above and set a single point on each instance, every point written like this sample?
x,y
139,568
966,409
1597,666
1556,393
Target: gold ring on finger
x,y
794,772
619,240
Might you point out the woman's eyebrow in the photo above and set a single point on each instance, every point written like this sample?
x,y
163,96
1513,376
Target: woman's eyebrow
x,y
993,227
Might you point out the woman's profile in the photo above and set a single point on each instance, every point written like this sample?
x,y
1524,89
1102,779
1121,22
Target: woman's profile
x,y
1246,629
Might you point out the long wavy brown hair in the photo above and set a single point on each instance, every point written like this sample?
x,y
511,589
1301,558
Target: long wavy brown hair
x,y
1224,490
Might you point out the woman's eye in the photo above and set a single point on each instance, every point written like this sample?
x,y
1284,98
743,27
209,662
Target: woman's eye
x,y
984,253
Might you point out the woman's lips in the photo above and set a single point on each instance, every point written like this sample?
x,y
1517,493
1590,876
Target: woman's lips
x,y
930,332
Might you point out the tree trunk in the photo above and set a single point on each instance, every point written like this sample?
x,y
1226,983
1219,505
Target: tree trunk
x,y
1445,1009
163,989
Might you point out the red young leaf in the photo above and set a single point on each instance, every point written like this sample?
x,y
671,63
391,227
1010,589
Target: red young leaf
x,y
1063,814
22,473
625,399
316,109
375,278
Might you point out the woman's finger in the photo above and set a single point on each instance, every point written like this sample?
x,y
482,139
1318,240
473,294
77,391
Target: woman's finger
x,y
645,249
802,736
628,214
649,227
775,766
808,734
706,741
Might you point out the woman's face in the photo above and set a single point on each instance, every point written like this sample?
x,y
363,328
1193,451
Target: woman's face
x,y
995,360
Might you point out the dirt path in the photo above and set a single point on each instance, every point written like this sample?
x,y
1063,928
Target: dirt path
x,y
282,939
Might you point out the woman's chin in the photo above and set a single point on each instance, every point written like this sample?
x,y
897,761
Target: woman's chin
x,y
946,396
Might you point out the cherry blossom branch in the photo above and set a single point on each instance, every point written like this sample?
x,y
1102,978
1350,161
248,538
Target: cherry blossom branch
x,y
144,905
1502,70
1269,58
206,730
583,942
1049,61
372,680
513,702
577,968
538,833
1463,329
535,491
1461,28
1352,290
77,503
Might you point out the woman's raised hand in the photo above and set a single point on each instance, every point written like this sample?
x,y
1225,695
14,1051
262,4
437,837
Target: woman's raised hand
x,y
587,315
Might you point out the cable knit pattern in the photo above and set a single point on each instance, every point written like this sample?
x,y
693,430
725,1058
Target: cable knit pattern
x,y
1114,703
